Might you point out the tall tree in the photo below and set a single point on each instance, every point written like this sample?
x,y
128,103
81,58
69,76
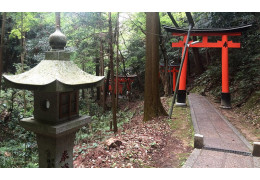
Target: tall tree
x,y
2,46
82,90
196,56
97,74
101,57
152,104
117,57
111,54
165,75
23,53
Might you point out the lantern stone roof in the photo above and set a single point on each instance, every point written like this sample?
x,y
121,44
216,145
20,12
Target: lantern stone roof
x,y
55,73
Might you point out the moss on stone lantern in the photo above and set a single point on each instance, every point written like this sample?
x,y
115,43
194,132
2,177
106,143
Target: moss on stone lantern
x,y
55,82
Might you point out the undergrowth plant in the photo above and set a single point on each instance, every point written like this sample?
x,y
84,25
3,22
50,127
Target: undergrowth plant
x,y
18,147
99,128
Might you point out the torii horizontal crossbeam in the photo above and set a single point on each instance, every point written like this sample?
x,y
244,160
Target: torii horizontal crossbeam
x,y
218,44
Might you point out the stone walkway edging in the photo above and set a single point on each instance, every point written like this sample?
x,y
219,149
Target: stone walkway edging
x,y
193,118
192,158
243,139
216,159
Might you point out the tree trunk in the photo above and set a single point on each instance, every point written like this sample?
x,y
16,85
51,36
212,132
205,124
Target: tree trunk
x,y
83,91
102,74
165,75
97,74
106,86
111,53
196,56
2,47
152,104
101,57
23,57
172,19
117,57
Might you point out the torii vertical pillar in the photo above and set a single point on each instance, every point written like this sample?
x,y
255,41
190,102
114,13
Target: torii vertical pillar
x,y
225,95
181,96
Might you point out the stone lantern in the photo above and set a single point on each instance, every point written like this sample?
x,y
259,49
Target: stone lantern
x,y
55,82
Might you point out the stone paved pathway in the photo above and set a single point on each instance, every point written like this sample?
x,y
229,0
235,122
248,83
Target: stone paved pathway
x,y
225,147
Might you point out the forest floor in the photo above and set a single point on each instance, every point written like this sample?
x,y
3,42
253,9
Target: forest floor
x,y
161,142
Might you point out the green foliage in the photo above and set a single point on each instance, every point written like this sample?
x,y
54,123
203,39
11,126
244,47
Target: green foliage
x,y
211,78
83,35
17,146
28,21
19,153
99,127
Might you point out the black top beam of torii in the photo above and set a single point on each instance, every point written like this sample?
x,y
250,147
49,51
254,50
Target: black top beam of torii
x,y
213,30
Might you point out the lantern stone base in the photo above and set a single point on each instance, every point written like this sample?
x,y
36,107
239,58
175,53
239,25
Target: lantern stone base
x,y
225,100
55,142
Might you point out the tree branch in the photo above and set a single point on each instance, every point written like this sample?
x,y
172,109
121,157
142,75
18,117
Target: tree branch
x,y
189,17
172,19
143,31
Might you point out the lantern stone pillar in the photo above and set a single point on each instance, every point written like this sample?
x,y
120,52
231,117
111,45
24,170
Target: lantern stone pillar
x,y
55,82
56,152
55,142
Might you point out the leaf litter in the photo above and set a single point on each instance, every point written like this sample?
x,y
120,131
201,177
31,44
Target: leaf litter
x,y
137,144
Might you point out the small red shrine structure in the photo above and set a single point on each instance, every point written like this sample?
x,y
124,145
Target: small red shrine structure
x,y
122,80
224,44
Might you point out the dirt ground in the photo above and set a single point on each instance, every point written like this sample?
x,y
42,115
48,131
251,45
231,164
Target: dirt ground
x,y
157,143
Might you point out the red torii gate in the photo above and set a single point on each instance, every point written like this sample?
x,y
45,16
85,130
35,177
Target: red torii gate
x,y
174,69
127,80
224,44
